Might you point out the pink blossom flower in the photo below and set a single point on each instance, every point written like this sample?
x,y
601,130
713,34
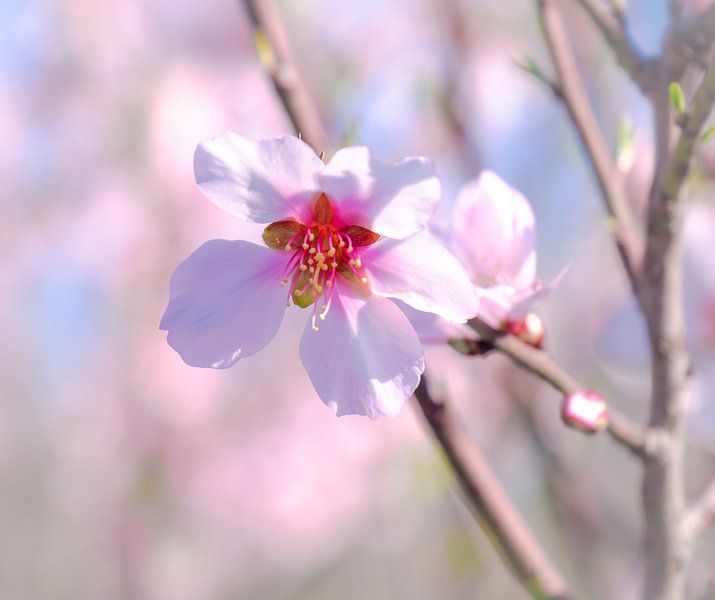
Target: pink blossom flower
x,y
342,239
494,235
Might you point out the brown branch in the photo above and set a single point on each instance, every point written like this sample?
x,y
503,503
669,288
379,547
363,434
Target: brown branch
x,y
701,513
626,235
496,513
667,547
621,428
611,27
688,41
276,58
693,123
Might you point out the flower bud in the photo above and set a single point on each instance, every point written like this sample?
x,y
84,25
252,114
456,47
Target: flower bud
x,y
529,329
585,410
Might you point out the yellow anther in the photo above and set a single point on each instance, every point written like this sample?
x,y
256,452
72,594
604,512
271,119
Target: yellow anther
x,y
329,283
334,265
319,256
319,288
331,252
314,328
312,251
341,243
311,236
350,249
312,269
284,281
363,280
311,261
358,263
303,267
324,267
305,246
321,316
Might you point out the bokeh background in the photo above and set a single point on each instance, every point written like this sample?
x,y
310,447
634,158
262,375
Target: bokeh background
x,y
125,474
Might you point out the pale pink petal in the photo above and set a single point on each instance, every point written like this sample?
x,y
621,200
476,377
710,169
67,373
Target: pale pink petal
x,y
434,330
394,200
496,233
366,358
495,303
261,181
527,300
225,303
422,273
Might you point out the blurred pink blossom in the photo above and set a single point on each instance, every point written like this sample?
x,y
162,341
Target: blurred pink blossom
x,y
494,235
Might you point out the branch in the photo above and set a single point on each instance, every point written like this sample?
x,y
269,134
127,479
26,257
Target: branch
x,y
700,109
611,27
667,548
621,428
687,41
504,526
277,59
701,513
627,237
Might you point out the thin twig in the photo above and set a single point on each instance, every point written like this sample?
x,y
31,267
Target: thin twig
x,y
626,235
497,514
611,27
622,429
277,59
701,513
694,121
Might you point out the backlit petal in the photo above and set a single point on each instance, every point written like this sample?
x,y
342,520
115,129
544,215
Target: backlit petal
x,y
366,358
422,273
261,181
225,303
434,330
496,233
394,200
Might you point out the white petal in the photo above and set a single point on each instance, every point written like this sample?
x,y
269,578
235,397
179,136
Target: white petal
x,y
496,233
225,303
394,200
261,181
365,359
422,273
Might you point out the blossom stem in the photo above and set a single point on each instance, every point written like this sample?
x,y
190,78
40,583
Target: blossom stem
x,y
277,60
622,429
495,511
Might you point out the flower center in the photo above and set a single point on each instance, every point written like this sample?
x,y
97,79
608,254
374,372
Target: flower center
x,y
320,251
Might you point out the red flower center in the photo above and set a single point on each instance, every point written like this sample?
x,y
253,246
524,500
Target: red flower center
x,y
320,251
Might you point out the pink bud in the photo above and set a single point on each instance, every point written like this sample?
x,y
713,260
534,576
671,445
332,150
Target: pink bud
x,y
529,329
585,410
